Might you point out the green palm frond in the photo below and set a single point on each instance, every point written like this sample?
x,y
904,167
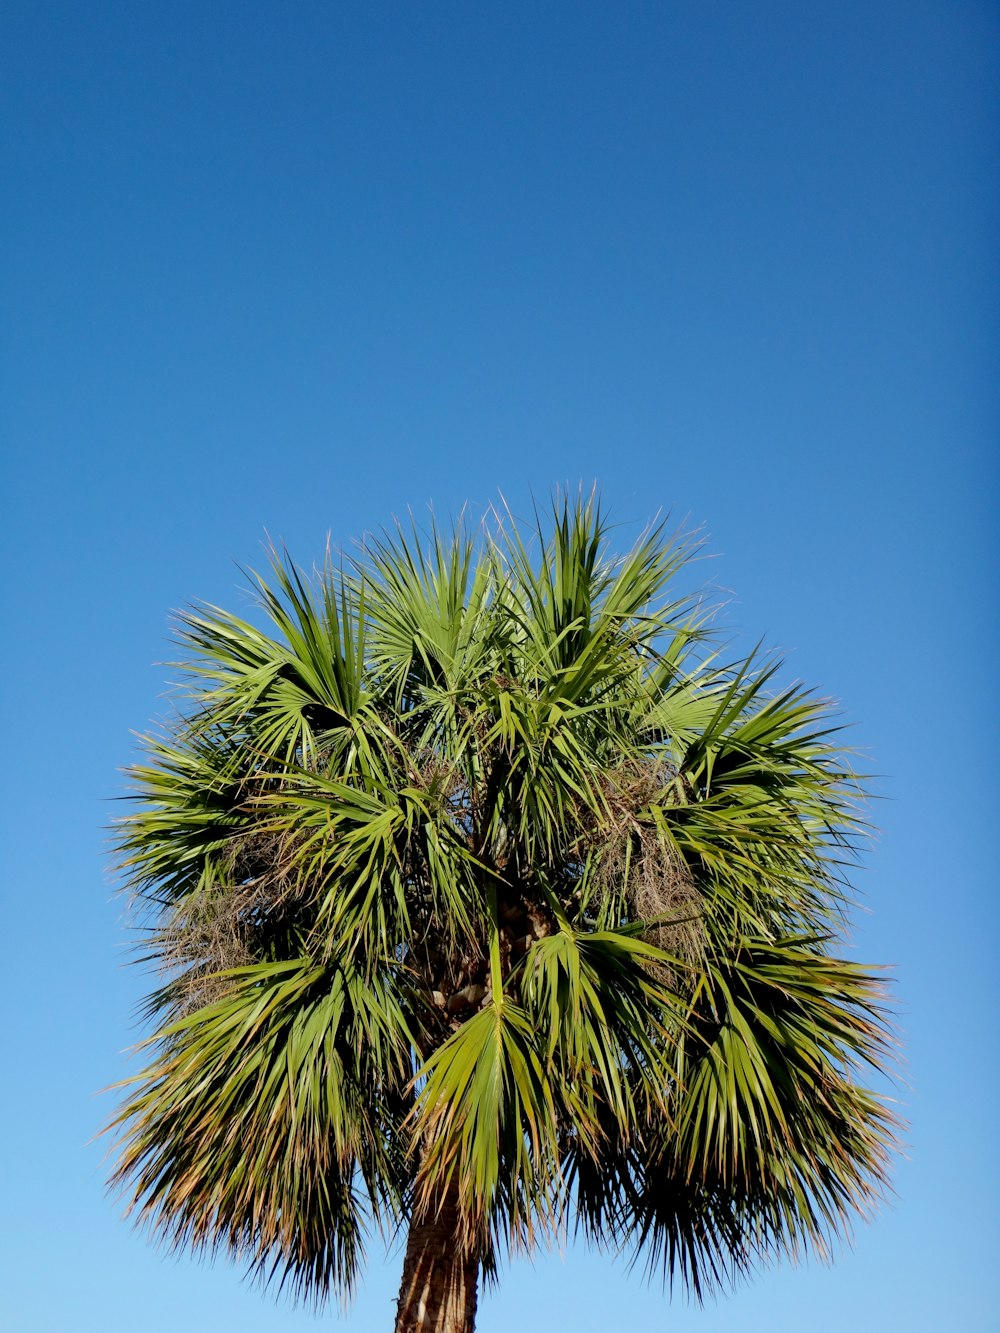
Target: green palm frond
x,y
265,1124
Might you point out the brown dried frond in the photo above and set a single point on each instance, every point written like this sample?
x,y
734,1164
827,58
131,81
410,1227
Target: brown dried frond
x,y
639,865
209,938
225,926
264,859
660,887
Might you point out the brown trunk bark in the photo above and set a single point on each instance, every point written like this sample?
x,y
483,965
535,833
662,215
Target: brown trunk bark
x,y
438,1292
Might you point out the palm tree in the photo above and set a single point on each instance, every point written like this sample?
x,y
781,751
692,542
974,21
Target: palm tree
x,y
489,901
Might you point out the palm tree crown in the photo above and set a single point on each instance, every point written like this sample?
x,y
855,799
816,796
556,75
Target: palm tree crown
x,y
488,899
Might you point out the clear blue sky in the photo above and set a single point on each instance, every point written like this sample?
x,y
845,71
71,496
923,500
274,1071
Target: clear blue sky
x,y
299,266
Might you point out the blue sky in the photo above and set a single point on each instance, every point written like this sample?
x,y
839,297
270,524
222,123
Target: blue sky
x,y
299,267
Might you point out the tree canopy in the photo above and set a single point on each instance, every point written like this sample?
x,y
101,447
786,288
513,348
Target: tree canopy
x,y
492,900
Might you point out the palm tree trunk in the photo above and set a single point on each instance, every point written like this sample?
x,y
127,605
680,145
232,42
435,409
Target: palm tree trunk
x,y
438,1292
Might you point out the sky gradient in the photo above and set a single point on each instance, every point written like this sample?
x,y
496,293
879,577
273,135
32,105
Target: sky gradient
x,y
294,269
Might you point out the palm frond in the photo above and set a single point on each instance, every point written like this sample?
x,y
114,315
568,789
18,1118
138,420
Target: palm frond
x,y
264,1124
